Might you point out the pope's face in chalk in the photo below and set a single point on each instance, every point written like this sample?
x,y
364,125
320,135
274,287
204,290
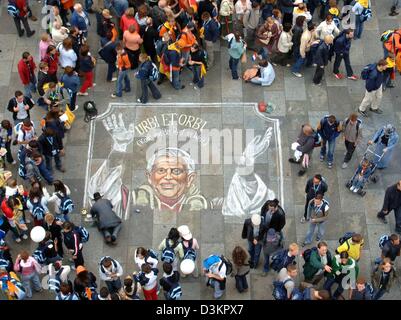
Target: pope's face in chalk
x,y
169,177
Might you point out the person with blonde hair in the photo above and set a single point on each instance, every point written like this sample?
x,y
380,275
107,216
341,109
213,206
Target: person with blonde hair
x,y
144,75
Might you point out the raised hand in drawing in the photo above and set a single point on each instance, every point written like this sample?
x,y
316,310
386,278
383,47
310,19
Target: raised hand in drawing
x,y
256,147
122,136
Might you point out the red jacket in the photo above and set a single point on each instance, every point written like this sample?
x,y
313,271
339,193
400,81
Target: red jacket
x,y
20,4
23,71
52,62
8,212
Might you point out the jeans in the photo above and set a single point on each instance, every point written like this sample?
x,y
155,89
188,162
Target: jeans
x,y
145,83
24,20
296,67
311,231
254,252
217,291
210,52
358,27
330,150
233,64
197,79
47,175
26,282
112,231
57,160
73,101
175,74
337,63
123,76
266,265
329,283
241,283
30,88
308,199
350,146
114,285
111,68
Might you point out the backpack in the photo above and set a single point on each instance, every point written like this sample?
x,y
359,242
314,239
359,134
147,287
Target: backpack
x,y
348,235
278,260
366,14
83,233
160,47
307,254
386,35
12,9
168,254
90,111
190,254
38,211
365,71
279,290
71,296
175,291
210,261
383,240
370,290
154,73
66,204
39,255
358,125
229,265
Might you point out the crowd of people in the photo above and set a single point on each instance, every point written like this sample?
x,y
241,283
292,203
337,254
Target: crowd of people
x,y
157,42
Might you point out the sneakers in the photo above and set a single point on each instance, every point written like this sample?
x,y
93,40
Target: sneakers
x,y
356,190
345,165
352,188
14,162
24,236
339,76
364,113
353,77
288,65
301,172
321,158
297,74
303,220
76,108
113,79
292,160
114,95
330,165
378,111
82,94
18,240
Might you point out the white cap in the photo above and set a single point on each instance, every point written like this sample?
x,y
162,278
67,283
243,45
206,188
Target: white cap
x,y
185,233
256,219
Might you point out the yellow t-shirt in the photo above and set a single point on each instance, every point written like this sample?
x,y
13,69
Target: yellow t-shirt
x,y
353,249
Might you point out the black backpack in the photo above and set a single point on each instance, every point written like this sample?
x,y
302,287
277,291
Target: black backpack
x,y
90,111
229,265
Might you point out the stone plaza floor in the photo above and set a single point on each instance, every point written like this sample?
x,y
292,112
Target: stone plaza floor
x,y
224,104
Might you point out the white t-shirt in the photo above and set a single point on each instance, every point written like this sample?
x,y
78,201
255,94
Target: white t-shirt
x,y
27,136
215,269
152,281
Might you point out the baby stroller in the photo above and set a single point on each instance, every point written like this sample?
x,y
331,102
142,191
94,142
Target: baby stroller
x,y
365,172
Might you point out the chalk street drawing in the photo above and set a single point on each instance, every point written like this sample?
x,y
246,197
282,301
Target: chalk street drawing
x,y
170,173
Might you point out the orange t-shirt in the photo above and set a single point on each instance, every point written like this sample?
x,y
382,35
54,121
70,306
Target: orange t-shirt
x,y
123,61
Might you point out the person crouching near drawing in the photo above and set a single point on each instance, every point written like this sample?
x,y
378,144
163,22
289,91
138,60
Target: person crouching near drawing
x,y
107,220
303,148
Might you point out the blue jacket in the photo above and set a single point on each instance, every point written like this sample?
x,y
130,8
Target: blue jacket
x,y
322,54
212,30
120,6
71,82
392,141
79,22
173,57
342,44
328,132
144,70
374,80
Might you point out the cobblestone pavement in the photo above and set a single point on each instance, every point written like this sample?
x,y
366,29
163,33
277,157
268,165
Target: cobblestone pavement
x,y
298,101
